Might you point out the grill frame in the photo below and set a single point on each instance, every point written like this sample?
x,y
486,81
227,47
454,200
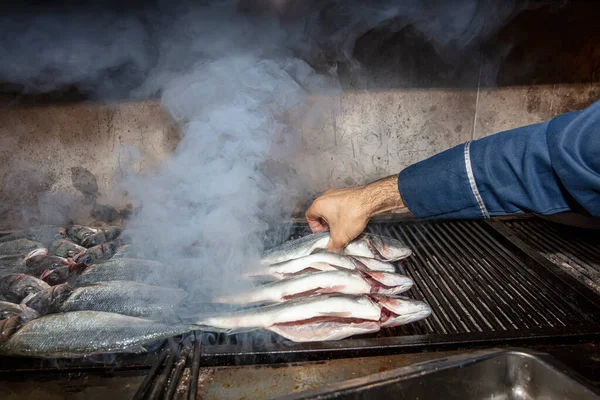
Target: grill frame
x,y
427,335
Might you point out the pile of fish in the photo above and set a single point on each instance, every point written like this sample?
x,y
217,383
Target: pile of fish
x,y
315,295
75,291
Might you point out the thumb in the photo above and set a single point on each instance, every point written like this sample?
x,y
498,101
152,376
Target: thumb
x,y
337,242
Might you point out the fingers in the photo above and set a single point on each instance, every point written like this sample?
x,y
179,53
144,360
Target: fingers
x,y
316,221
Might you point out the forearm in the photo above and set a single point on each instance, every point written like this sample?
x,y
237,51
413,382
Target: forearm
x,y
544,168
382,196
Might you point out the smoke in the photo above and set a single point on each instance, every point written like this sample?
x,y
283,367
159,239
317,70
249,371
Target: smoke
x,y
237,77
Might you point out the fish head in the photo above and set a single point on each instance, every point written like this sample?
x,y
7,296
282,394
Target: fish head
x,y
27,285
9,326
94,240
48,300
62,274
388,248
401,310
36,265
66,249
112,232
79,232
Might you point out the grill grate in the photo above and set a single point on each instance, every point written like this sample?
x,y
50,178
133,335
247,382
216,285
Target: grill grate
x,y
575,250
484,291
478,290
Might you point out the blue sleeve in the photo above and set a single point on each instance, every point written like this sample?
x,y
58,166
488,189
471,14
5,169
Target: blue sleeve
x,y
544,168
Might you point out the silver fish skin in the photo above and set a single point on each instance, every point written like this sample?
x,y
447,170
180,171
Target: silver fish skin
x,y
81,333
365,245
321,261
101,252
132,269
373,264
338,306
388,283
19,247
337,281
65,248
403,310
126,298
318,331
44,234
16,287
297,248
8,309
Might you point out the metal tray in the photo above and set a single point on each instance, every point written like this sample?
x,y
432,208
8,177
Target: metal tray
x,y
490,374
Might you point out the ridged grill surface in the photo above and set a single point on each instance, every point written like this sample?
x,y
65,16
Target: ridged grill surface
x,y
472,282
577,251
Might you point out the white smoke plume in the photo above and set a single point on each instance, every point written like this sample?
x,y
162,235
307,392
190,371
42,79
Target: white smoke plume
x,y
236,77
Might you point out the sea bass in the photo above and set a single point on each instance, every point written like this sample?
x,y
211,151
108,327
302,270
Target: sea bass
x,y
365,245
321,330
44,234
15,287
98,253
65,248
126,298
132,269
80,333
48,300
8,309
401,310
336,281
320,261
335,306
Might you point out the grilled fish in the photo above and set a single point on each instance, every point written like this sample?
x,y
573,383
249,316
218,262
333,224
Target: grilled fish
x,y
15,287
132,269
65,248
336,306
401,310
48,300
321,330
126,298
8,309
101,252
320,261
365,245
44,234
80,333
336,281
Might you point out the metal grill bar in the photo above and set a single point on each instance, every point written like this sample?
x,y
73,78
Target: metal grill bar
x,y
576,251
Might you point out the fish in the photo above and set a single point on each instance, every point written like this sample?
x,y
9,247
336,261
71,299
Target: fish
x,y
336,306
321,330
77,233
373,264
365,245
101,252
400,310
81,333
126,298
19,247
337,281
8,309
39,261
320,261
132,269
94,239
131,251
15,287
65,248
9,326
44,234
48,300
387,283
112,232
63,274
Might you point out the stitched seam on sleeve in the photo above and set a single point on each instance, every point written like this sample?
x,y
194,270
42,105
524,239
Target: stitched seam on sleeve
x,y
471,177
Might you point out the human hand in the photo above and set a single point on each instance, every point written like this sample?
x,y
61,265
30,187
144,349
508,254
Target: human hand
x,y
346,212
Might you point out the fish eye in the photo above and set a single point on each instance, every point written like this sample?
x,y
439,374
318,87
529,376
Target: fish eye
x,y
28,290
6,314
70,253
54,265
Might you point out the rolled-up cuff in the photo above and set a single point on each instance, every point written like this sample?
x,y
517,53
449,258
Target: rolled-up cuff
x,y
439,187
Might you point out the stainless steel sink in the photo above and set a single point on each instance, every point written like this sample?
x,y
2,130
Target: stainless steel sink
x,y
489,374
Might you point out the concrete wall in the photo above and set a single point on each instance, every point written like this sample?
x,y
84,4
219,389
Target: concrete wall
x,y
406,105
